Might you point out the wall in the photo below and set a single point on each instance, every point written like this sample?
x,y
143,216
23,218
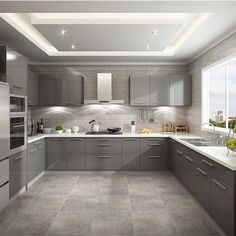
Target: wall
x,y
226,48
108,115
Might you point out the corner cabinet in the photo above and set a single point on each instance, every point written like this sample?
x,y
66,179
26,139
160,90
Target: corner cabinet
x,y
161,89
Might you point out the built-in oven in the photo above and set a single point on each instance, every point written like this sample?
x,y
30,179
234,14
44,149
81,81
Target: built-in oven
x,y
18,104
18,133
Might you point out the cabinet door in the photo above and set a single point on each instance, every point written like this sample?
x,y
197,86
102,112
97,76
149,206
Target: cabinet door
x,y
153,154
180,90
55,154
222,205
140,90
76,154
33,88
17,72
159,85
172,150
72,90
131,154
49,90
179,162
17,178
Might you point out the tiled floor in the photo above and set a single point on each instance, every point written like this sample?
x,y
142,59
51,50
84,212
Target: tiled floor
x,y
147,204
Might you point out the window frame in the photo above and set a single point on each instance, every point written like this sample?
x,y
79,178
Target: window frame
x,y
205,94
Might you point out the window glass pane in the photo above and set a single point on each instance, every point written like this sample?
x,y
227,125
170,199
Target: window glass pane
x,y
217,96
232,91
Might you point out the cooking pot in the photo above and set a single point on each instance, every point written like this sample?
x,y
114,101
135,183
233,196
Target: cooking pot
x,y
94,126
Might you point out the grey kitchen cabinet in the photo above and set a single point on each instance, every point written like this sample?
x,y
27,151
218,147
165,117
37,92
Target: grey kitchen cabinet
x,y
33,88
153,154
17,178
103,153
159,89
172,149
17,73
180,90
49,90
55,158
72,90
35,159
76,153
140,90
131,154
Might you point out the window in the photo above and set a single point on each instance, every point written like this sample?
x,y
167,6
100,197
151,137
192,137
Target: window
x,y
219,94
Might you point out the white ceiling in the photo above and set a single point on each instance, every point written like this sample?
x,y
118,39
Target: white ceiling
x,y
118,35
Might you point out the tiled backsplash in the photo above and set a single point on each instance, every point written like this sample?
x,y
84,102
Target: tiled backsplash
x,y
108,115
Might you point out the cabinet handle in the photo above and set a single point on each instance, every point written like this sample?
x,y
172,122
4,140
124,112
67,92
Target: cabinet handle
x,y
103,140
18,87
17,158
133,140
152,157
188,158
208,163
172,141
219,184
201,171
154,144
139,103
103,145
103,157
179,152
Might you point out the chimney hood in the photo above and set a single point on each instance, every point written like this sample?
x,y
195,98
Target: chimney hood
x,y
104,90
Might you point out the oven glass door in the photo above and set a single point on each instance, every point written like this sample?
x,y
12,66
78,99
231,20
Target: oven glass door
x,y
17,132
17,104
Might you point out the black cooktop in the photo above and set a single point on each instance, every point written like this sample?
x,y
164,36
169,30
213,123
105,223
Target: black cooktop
x,y
103,132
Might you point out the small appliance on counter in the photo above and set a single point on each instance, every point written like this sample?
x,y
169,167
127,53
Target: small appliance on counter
x,y
75,129
94,126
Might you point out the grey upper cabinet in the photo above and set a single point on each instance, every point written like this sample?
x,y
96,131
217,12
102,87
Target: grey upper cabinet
x,y
159,89
33,88
76,154
131,154
17,178
49,90
180,90
17,73
72,90
140,90
35,159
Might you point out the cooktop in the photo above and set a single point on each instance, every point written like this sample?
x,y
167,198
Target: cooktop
x,y
103,132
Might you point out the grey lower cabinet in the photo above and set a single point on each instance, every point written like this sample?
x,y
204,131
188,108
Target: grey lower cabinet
x,y
209,182
103,153
131,154
65,154
153,154
17,178
35,159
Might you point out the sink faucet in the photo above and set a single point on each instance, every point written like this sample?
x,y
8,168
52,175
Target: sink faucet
x,y
214,129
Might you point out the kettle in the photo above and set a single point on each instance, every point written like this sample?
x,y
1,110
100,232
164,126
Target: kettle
x,y
95,126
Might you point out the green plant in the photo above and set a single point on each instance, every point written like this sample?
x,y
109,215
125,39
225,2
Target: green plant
x,y
59,127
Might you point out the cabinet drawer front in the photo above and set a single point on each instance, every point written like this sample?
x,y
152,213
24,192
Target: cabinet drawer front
x,y
103,162
4,196
103,140
4,171
153,146
103,148
154,162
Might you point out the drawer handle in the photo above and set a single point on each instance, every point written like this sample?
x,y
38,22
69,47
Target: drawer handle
x,y
208,163
153,157
103,157
172,141
219,184
154,144
133,140
17,158
103,140
139,103
201,171
17,86
180,153
189,159
103,144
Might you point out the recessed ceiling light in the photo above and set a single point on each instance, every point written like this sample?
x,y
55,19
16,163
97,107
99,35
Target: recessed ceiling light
x,y
148,46
62,32
154,32
72,46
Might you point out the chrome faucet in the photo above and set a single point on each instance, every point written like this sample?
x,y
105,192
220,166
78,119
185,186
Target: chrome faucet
x,y
214,129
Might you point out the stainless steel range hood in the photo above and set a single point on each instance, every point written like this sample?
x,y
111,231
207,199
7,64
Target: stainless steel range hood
x,y
104,90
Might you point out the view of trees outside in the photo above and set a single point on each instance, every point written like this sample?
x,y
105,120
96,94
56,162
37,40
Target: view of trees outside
x,y
218,87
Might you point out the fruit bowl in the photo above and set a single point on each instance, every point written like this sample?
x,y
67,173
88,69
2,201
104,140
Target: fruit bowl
x,y
231,144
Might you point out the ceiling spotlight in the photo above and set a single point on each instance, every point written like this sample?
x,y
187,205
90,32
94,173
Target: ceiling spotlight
x,y
148,46
72,46
154,32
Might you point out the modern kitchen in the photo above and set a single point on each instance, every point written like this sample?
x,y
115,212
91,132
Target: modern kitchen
x,y
117,118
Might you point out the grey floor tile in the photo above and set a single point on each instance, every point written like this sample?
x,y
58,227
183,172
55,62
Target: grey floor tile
x,y
114,189
55,189
115,180
85,189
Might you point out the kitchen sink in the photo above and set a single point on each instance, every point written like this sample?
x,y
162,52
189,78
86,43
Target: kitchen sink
x,y
199,142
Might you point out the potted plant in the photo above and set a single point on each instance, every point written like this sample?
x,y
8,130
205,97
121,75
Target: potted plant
x,y
231,142
59,129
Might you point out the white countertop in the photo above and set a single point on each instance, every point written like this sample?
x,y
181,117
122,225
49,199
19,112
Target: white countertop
x,y
217,154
